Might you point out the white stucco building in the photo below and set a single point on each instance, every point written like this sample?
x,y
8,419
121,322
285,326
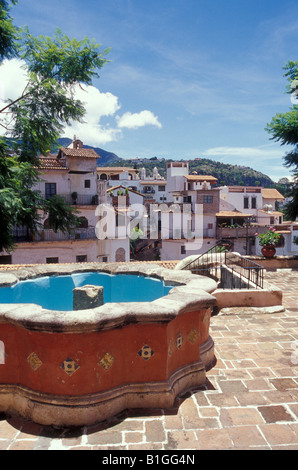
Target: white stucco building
x,y
198,199
153,188
71,174
184,214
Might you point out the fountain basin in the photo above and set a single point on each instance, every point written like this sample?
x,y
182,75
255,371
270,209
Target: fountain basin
x,y
73,368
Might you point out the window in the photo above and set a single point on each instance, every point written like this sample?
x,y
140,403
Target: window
x,y
207,199
120,220
183,250
210,226
52,260
87,184
120,255
50,190
187,199
161,188
281,242
81,259
246,203
253,202
148,190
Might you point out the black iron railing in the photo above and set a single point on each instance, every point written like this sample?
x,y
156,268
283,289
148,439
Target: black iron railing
x,y
231,269
249,273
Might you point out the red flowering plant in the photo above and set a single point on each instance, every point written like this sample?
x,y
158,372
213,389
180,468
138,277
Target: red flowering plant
x,y
271,237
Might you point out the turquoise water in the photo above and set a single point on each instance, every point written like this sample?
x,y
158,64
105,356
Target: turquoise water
x,y
55,292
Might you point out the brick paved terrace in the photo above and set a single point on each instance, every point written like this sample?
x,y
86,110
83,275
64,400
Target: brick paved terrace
x,y
250,400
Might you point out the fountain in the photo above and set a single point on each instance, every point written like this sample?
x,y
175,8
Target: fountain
x,y
72,367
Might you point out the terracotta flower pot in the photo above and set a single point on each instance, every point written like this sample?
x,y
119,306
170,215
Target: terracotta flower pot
x,y
268,251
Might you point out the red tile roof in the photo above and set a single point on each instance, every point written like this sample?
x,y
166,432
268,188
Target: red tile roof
x,y
114,169
272,193
80,152
52,163
209,178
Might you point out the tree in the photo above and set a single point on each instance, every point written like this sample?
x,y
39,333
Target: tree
x,y
284,129
7,31
34,121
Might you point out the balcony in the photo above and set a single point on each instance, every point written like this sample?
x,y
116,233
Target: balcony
x,y
77,199
235,232
21,235
148,191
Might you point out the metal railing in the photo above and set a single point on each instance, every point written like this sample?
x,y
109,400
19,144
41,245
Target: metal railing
x,y
244,271
78,199
227,268
45,235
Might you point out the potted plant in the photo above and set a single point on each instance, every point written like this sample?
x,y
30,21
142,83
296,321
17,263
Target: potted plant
x,y
268,240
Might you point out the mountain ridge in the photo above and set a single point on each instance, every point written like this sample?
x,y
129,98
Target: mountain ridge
x,y
227,174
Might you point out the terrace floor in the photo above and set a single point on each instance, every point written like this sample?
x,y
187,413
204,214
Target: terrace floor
x,y
250,400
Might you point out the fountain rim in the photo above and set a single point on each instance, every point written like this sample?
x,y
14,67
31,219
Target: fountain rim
x,y
191,292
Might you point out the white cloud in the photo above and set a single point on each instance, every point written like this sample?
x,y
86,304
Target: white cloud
x,y
267,159
98,106
133,121
13,79
244,152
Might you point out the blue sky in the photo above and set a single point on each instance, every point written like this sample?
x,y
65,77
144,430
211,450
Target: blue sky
x,y
187,78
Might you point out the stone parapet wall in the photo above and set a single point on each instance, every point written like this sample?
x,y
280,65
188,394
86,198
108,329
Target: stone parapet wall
x,y
277,262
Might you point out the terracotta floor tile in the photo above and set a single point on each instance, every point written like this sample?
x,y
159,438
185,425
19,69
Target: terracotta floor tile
x,y
181,440
240,416
214,439
276,434
275,413
245,437
154,431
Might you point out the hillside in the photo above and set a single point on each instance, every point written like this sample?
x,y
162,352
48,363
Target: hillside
x,y
227,174
231,175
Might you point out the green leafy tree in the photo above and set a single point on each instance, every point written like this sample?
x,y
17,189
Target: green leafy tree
x,y
284,129
8,31
34,121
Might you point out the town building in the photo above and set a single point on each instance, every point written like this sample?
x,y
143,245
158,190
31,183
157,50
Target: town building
x,y
231,215
182,215
152,187
71,174
198,199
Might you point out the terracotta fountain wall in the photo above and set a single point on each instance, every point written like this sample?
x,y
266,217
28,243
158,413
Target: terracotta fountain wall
x,y
80,367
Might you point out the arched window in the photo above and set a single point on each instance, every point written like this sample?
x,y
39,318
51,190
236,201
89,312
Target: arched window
x,y
120,255
103,176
